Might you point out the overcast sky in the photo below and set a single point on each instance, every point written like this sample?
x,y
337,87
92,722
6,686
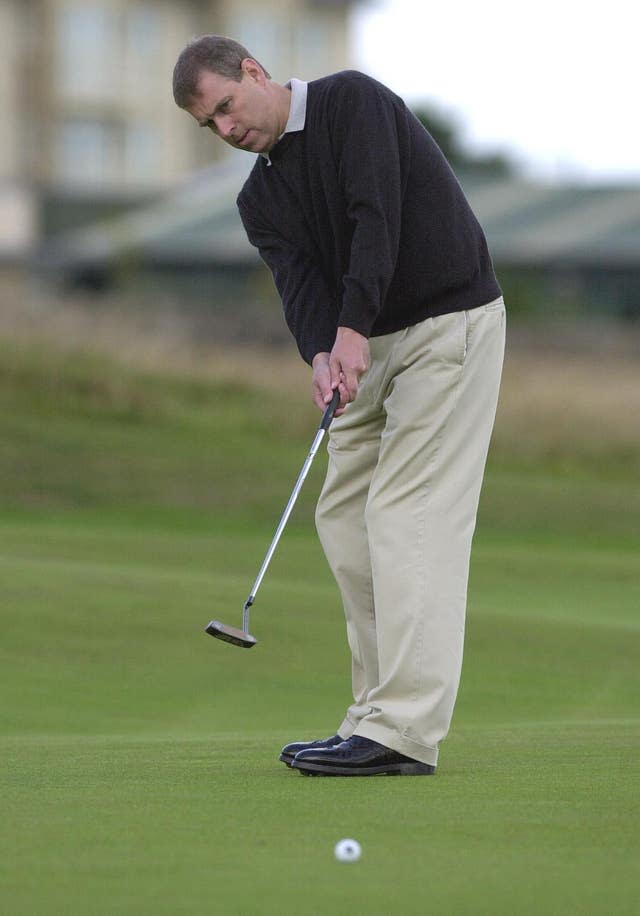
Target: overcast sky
x,y
553,82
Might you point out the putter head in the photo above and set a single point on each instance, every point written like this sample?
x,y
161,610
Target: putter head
x,y
230,634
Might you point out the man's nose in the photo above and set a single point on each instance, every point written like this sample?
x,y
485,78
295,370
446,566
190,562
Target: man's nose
x,y
225,126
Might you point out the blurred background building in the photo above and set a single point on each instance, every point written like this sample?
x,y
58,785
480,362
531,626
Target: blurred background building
x,y
105,184
89,122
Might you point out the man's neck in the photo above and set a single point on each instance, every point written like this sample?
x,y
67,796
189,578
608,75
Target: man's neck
x,y
283,103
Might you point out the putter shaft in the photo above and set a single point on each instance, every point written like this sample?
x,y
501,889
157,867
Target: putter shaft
x,y
243,637
285,516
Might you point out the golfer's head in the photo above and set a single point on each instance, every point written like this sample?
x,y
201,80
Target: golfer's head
x,y
229,92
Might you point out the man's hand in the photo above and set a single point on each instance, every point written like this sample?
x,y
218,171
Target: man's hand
x,y
321,390
342,368
348,362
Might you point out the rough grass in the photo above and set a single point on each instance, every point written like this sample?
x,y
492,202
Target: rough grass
x,y
570,409
569,397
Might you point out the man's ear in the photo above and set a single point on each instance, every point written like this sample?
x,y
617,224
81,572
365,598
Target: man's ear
x,y
253,70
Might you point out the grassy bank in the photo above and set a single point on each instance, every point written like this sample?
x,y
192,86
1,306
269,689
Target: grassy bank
x,y
84,429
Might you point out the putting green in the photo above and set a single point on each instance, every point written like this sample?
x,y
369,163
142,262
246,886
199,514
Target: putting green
x,y
141,771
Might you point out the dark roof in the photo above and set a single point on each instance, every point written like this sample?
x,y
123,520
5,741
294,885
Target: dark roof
x,y
529,223
526,223
194,223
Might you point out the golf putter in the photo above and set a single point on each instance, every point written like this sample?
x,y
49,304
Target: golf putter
x,y
242,637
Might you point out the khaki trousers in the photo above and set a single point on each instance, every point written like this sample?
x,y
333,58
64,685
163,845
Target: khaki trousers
x,y
396,518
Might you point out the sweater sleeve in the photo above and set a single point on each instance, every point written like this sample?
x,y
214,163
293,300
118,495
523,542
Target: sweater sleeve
x,y
309,310
369,128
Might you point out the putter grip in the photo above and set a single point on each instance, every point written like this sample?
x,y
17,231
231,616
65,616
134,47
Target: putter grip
x,y
331,409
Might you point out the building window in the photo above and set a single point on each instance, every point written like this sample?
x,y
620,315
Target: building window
x,y
143,34
315,44
266,38
86,153
142,160
88,62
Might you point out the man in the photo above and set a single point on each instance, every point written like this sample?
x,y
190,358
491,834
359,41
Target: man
x,y
389,290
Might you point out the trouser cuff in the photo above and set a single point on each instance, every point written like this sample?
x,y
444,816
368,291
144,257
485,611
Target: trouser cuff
x,y
398,742
347,728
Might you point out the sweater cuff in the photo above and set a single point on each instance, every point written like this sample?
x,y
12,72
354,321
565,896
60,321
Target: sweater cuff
x,y
309,348
357,318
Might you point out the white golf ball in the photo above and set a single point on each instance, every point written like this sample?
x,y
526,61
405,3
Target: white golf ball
x,y
347,851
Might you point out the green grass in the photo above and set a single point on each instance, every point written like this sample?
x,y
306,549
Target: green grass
x,y
139,766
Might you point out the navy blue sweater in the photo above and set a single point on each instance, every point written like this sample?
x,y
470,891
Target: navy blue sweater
x,y
361,220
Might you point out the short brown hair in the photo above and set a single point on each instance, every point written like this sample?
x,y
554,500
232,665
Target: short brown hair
x,y
215,53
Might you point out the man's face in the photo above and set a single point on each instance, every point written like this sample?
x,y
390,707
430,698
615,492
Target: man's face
x,y
240,113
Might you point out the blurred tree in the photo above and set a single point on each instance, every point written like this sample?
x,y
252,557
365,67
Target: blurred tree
x,y
446,132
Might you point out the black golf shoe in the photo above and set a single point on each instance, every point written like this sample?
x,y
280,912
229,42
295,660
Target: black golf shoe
x,y
358,756
289,751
